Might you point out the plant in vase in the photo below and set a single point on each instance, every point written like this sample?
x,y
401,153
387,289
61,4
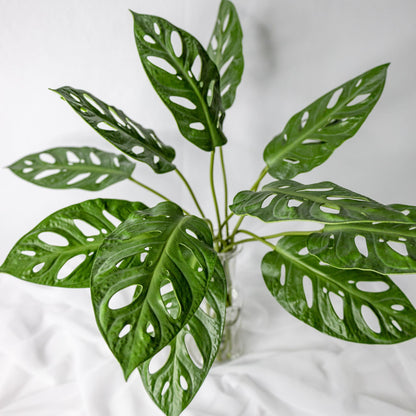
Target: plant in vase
x,y
158,275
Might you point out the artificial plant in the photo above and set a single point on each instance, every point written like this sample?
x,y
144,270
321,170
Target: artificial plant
x,y
166,259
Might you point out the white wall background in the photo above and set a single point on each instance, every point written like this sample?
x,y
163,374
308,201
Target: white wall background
x,y
295,50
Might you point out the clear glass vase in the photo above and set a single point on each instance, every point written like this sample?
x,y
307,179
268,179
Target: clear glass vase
x,y
231,346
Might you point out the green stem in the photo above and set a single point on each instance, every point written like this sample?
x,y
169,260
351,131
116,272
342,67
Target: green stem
x,y
261,239
259,179
224,174
188,186
214,195
154,191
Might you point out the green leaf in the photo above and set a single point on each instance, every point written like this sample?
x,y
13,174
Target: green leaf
x,y
226,50
323,201
385,247
353,305
128,136
185,78
190,354
73,167
164,252
60,250
311,135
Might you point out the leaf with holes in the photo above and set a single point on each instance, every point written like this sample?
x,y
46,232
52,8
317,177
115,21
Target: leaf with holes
x,y
226,50
167,252
60,250
121,131
323,201
385,247
185,78
174,375
354,305
73,167
311,135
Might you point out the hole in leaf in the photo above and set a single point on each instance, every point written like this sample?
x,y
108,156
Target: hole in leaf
x,y
149,39
214,43
95,159
210,92
225,23
304,120
102,178
225,45
115,221
86,229
207,308
397,307
291,161
358,82
156,159
183,102
337,304
28,162
53,239
124,297
361,244
47,158
318,189
226,65
46,173
193,351
282,274
137,150
294,203
196,67
162,64
225,89
370,319
396,324
166,287
126,329
143,256
303,252
308,290
70,266
74,97
29,253
373,287
159,360
156,28
38,267
398,247
150,330
267,201
165,388
78,178
358,99
176,43
72,157
197,126
116,116
27,170
102,125
313,141
183,383
191,233
334,99
94,104
329,210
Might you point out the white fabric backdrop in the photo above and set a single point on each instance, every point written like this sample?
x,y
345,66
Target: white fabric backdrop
x,y
52,359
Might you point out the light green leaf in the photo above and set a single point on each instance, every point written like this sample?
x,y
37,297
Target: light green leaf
x,y
73,167
226,50
190,354
60,250
185,78
311,135
323,201
154,252
354,305
385,247
121,131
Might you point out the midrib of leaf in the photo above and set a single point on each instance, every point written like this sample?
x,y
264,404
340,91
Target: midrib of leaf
x,y
325,278
83,168
360,226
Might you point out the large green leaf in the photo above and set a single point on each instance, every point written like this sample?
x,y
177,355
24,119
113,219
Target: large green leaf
x,y
324,201
311,135
154,252
173,384
60,250
73,167
385,247
354,305
185,78
226,50
121,131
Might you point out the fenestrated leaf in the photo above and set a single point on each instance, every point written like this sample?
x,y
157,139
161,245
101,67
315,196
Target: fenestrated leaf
x,y
73,167
385,247
165,252
121,131
311,135
226,50
185,78
60,250
190,354
354,305
323,201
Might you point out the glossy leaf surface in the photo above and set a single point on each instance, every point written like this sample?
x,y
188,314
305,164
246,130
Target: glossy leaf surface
x,y
226,50
385,247
311,135
190,354
73,167
354,305
185,78
154,252
60,250
323,201
121,131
